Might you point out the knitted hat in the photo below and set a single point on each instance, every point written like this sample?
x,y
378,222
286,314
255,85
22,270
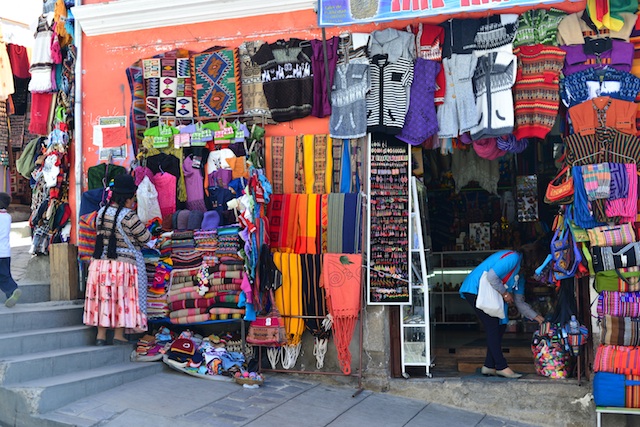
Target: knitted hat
x,y
488,149
195,220
183,219
124,184
174,220
210,221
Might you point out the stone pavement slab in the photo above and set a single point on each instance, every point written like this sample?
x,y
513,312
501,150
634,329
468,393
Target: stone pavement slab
x,y
173,399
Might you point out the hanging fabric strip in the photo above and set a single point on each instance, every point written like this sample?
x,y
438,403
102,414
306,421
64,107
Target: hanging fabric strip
x,y
308,147
328,176
319,160
299,179
289,170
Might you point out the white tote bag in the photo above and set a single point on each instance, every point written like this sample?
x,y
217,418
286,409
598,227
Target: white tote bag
x,y
148,206
489,300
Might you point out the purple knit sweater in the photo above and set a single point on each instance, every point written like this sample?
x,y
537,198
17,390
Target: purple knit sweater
x,y
195,186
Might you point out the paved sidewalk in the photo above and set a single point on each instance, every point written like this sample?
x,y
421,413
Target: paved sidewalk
x,y
173,399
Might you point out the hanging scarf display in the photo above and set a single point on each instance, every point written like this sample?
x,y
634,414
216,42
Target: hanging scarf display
x,y
341,280
314,305
289,303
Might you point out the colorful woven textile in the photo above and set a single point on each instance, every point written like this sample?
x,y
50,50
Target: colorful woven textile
x,y
168,85
217,90
617,359
623,304
196,318
187,312
191,303
620,331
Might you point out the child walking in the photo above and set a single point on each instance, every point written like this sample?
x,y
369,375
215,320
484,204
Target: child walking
x,y
7,284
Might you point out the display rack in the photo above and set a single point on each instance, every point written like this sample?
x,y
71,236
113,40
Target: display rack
x,y
415,335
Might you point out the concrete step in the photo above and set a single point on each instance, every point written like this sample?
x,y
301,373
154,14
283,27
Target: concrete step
x,y
32,292
25,317
521,365
27,367
47,394
34,341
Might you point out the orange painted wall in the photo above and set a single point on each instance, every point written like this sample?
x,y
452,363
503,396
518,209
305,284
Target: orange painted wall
x,y
105,58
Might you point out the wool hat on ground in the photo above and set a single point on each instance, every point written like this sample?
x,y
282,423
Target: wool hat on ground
x,y
210,220
124,184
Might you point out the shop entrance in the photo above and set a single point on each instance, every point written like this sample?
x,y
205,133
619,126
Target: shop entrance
x,y
472,213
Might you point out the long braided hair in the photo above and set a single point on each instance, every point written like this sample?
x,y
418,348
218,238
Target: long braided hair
x,y
120,200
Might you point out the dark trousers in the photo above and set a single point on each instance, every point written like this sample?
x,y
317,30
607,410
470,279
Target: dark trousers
x,y
494,332
7,284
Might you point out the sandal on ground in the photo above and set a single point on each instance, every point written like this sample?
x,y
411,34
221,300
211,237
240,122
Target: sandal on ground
x,y
120,342
101,343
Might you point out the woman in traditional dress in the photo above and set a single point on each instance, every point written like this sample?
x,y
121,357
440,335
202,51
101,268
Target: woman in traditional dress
x,y
116,284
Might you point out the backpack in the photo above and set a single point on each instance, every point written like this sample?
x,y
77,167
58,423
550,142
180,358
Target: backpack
x,y
565,253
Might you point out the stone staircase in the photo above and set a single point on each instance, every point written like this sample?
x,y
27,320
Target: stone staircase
x,y
47,360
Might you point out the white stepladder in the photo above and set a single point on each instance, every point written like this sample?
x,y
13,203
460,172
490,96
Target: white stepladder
x,y
415,334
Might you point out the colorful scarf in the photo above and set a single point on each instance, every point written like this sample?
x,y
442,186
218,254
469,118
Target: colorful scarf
x,y
335,222
341,279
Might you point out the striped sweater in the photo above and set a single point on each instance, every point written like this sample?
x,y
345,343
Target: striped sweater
x,y
536,89
132,226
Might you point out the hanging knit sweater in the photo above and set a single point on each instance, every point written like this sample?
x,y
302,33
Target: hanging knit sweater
x,y
194,183
536,89
492,81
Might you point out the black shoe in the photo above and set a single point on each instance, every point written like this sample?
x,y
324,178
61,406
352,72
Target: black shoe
x,y
101,343
120,342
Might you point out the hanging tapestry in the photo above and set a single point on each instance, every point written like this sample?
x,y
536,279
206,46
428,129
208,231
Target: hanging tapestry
x,y
168,85
217,83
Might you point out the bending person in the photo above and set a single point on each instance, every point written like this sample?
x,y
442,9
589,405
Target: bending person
x,y
504,274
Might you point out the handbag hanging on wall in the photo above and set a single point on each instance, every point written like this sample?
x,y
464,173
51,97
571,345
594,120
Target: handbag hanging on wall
x,y
268,329
560,189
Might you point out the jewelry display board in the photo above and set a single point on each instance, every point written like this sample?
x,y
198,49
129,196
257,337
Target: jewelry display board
x,y
388,222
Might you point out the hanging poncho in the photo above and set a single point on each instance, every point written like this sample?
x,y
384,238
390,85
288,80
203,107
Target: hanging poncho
x,y
341,279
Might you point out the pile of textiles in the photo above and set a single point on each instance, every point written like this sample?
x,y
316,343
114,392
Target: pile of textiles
x,y
152,347
206,356
187,259
190,303
228,243
164,244
182,241
157,289
206,240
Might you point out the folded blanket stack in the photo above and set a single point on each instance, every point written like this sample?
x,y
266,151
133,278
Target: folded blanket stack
x,y
182,241
206,240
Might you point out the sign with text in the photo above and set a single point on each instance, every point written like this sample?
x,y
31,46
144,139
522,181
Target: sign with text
x,y
345,12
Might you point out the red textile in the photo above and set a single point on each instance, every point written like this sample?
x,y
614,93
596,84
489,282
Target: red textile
x,y
40,111
19,60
